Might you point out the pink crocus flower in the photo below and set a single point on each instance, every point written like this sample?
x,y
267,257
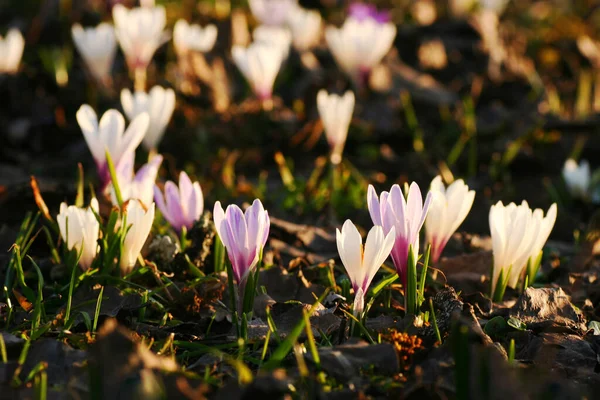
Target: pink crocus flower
x,y
140,185
362,11
406,215
181,206
244,235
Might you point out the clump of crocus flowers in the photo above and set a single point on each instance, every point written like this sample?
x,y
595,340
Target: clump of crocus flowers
x,y
518,236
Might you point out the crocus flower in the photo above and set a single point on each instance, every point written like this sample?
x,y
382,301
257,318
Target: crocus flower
x,y
518,233
276,36
79,229
577,177
138,221
244,235
140,32
362,263
139,186
306,28
97,47
359,45
259,63
110,134
362,12
192,37
271,12
11,51
336,114
407,216
181,206
159,104
449,208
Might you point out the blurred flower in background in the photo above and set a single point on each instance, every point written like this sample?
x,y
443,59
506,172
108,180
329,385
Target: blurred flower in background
x,y
362,12
305,26
159,104
193,37
271,12
336,115
140,32
260,64
276,36
578,178
360,44
11,51
97,46
110,135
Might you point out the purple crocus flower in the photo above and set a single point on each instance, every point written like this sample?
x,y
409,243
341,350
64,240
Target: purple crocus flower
x,y
362,11
138,186
181,206
407,216
244,235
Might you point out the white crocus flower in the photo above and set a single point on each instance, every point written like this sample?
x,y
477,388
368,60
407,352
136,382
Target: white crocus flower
x,y
260,64
359,45
110,135
336,114
159,104
544,228
362,263
138,221
97,47
11,51
448,210
79,229
271,12
517,233
140,32
276,36
577,177
192,37
306,28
